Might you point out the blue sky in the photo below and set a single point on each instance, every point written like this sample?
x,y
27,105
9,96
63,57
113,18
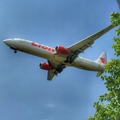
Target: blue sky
x,y
25,94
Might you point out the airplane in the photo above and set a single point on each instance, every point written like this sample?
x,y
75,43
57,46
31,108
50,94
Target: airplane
x,y
61,57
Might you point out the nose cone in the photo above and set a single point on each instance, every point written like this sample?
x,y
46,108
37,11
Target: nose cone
x,y
7,42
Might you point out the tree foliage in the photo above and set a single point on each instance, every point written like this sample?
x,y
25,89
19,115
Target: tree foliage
x,y
108,105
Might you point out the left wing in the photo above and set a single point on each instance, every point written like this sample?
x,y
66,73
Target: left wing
x,y
82,45
57,68
51,74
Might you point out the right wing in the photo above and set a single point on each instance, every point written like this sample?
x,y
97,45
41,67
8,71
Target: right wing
x,y
82,45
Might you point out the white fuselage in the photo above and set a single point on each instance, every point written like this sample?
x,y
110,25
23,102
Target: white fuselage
x,y
51,54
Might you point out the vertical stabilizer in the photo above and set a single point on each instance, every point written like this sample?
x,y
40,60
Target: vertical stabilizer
x,y
102,59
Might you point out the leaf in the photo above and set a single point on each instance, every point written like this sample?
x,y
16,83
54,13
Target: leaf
x,y
108,105
117,31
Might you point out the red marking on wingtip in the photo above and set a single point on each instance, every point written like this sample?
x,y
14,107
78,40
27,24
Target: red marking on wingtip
x,y
103,60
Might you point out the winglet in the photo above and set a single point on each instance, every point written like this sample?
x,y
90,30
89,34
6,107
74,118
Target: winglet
x,y
102,59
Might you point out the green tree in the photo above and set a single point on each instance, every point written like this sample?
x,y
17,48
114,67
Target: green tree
x,y
108,105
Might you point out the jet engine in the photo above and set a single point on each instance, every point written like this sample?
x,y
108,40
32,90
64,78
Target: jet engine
x,y
62,50
45,66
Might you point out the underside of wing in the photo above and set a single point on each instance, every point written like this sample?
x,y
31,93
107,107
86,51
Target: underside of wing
x,y
51,74
87,42
56,68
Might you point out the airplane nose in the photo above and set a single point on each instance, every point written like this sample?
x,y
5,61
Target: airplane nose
x,y
5,41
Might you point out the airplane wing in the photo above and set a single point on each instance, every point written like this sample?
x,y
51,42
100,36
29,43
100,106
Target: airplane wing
x,y
57,68
82,45
51,74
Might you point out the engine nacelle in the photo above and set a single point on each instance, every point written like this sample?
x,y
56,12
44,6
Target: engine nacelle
x,y
62,50
45,66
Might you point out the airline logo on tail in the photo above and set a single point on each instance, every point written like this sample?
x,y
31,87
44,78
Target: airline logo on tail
x,y
103,60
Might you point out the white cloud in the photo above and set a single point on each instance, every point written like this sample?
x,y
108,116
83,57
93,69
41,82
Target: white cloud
x,y
50,105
